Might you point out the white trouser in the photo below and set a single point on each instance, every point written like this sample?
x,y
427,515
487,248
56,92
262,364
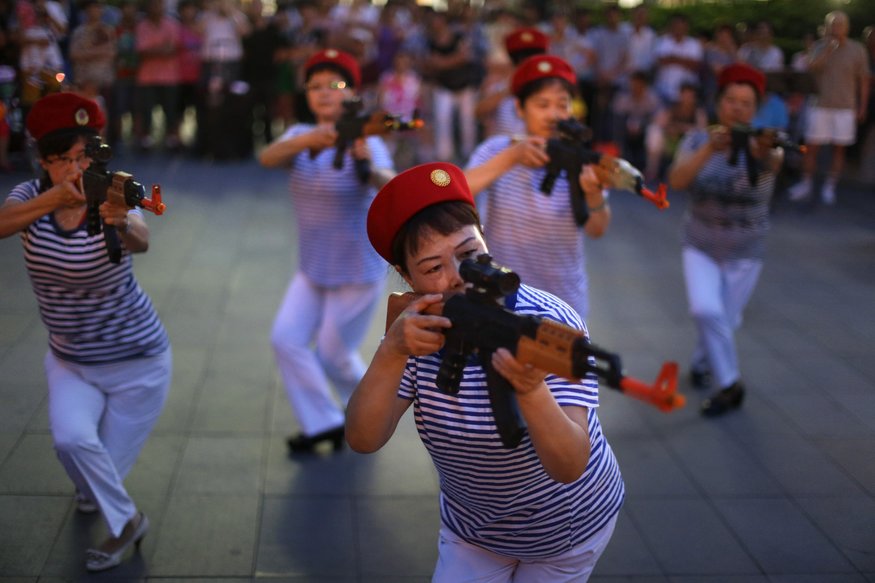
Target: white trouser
x,y
717,294
462,562
444,103
337,320
100,417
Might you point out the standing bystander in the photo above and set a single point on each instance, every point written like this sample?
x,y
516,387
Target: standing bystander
x,y
841,71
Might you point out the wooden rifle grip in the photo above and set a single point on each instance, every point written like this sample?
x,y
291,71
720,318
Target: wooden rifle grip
x,y
398,302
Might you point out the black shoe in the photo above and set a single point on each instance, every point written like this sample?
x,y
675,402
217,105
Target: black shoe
x,y
726,400
700,379
301,443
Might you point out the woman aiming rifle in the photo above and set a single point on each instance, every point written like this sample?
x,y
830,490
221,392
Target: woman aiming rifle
x,y
532,232
725,228
109,361
330,300
543,510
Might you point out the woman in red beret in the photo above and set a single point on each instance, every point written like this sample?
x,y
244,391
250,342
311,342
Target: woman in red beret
x,y
496,108
332,297
724,229
109,361
535,234
543,510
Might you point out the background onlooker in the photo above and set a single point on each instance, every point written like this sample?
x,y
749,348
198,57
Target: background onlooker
x,y
841,70
669,126
720,52
127,61
92,54
678,59
760,52
634,110
158,74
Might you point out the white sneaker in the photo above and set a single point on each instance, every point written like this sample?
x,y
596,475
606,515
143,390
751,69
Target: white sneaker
x,y
828,195
800,191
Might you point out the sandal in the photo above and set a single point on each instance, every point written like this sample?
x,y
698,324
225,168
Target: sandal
x,y
96,560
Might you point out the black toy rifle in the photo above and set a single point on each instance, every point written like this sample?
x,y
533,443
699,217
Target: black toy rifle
x,y
569,152
353,125
481,325
100,185
740,135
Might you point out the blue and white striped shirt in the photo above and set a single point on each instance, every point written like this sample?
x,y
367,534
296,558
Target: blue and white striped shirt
x,y
331,207
94,310
727,216
532,233
502,499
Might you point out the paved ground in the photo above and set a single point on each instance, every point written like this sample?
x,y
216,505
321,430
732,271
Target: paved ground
x,y
782,491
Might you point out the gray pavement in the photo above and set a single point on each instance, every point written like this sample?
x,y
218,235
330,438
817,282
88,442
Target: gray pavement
x,y
782,491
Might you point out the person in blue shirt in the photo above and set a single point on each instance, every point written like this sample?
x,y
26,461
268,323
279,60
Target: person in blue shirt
x,y
543,510
109,362
328,305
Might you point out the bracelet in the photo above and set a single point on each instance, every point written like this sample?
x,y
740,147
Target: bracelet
x,y
598,208
127,226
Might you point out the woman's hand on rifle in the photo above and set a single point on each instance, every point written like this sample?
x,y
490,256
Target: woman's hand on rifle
x,y
414,333
67,193
323,136
719,138
530,151
524,378
132,229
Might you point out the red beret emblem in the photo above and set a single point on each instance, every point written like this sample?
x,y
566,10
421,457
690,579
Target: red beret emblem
x,y
527,37
440,177
331,54
81,117
545,67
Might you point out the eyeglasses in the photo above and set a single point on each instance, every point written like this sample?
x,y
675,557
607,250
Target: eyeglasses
x,y
67,159
333,86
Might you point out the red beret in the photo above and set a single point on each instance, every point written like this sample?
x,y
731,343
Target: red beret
x,y
742,73
64,111
408,193
541,67
340,60
527,38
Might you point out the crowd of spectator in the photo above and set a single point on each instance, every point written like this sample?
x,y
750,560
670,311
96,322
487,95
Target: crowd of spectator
x,y
233,69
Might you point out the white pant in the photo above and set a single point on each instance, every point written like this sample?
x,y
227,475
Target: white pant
x,y
444,103
337,320
100,417
462,562
718,293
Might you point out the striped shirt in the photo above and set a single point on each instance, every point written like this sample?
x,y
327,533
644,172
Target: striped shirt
x,y
502,499
330,210
94,310
507,121
727,217
532,233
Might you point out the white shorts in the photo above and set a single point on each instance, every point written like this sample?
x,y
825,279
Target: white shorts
x,y
831,126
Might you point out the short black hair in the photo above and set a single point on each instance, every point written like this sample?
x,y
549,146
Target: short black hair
x,y
443,218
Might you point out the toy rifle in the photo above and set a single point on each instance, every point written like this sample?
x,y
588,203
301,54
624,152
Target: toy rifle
x,y
100,185
740,135
569,153
481,325
353,125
